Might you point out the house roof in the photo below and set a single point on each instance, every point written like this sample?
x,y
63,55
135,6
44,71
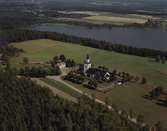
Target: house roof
x,y
97,71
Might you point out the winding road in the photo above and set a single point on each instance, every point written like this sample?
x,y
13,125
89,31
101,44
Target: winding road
x,y
69,97
59,79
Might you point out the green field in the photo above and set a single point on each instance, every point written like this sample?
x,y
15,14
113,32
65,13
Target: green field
x,y
44,50
130,96
61,87
131,99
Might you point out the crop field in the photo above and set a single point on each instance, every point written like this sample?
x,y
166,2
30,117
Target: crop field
x,y
129,96
109,18
119,19
116,19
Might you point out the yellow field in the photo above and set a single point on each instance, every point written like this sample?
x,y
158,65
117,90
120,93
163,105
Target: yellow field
x,y
116,19
110,18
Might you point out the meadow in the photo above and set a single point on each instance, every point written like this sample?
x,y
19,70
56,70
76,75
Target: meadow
x,y
45,50
128,96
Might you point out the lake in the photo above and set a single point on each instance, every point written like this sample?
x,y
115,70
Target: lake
x,y
153,38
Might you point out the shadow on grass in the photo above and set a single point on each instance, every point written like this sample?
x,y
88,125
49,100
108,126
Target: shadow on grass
x,y
162,103
147,97
158,101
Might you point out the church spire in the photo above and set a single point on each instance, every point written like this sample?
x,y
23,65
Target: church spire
x,y
87,64
87,61
87,56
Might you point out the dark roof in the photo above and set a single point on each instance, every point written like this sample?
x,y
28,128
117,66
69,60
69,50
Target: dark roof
x,y
97,70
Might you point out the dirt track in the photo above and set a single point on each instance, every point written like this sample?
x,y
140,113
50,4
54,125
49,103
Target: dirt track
x,y
55,90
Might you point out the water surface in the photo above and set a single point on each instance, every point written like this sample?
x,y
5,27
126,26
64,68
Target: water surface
x,y
153,38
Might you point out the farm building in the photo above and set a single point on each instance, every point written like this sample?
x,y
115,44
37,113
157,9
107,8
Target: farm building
x,y
99,74
61,65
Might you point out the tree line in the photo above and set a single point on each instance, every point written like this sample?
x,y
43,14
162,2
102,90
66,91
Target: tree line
x,y
62,59
15,16
9,50
39,71
51,67
22,35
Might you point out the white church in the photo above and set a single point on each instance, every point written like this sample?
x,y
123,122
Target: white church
x,y
87,64
90,71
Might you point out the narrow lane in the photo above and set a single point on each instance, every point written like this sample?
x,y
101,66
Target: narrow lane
x,y
55,90
58,78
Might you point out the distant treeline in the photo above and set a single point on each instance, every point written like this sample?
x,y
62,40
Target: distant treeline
x,y
12,19
150,23
23,35
56,14
14,15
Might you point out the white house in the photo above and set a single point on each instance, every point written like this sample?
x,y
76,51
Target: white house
x,y
61,65
107,76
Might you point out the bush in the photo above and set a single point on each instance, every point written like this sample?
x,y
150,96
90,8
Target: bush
x,y
39,71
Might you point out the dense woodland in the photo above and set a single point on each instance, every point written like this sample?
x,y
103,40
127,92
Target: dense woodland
x,y
9,50
14,20
39,71
6,52
25,106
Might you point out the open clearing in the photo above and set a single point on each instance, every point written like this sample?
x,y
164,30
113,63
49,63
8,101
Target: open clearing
x,y
130,96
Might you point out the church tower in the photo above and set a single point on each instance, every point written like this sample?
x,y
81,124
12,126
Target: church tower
x,y
87,64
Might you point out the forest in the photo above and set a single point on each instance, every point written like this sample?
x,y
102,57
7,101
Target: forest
x,y
25,106
9,50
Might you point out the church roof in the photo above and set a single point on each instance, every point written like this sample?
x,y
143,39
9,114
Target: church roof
x,y
87,62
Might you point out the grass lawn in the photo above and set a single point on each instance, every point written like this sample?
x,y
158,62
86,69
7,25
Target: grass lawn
x,y
44,50
128,97
61,87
